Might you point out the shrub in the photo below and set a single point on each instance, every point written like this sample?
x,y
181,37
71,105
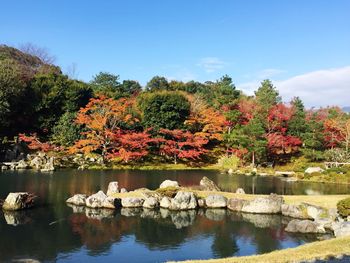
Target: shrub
x,y
229,162
343,207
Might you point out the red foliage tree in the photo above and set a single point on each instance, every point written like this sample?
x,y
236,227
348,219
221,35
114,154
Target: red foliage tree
x,y
178,144
34,143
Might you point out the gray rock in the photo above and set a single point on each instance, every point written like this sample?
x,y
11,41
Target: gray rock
x,y
4,167
49,166
165,202
183,201
311,170
36,162
342,229
132,202
295,211
314,211
169,183
208,185
111,202
151,202
113,188
304,226
240,191
96,200
236,204
216,201
78,199
264,205
18,201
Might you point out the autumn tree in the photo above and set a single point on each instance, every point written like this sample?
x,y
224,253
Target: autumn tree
x,y
177,144
101,118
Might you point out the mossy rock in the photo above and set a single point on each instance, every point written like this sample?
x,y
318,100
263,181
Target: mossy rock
x,y
343,207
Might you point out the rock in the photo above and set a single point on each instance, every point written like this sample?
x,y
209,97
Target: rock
x,y
342,229
215,214
314,211
100,200
4,167
216,201
49,166
78,199
240,191
165,202
36,162
324,222
21,165
201,202
113,188
230,171
295,211
264,205
304,226
208,185
123,190
183,201
18,201
311,170
132,202
151,202
236,204
169,183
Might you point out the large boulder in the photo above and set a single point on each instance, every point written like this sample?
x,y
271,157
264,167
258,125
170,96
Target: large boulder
x,y
151,202
304,226
183,201
264,205
78,199
100,200
295,211
236,204
132,202
341,229
113,188
315,212
216,201
169,183
311,170
165,202
208,185
18,201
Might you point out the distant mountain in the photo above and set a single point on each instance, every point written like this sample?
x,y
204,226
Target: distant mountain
x,y
346,109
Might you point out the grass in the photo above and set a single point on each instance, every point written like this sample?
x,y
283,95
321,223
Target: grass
x,y
317,250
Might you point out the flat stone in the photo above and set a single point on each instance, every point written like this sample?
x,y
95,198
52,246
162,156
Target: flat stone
x,y
132,202
216,201
264,205
236,204
304,226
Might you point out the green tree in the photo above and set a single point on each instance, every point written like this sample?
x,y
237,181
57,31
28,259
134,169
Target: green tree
x,y
130,88
157,83
77,95
297,125
164,109
66,131
106,84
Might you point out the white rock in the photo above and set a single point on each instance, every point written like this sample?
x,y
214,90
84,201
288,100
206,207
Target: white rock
x,y
240,191
183,201
78,199
311,170
151,202
132,202
216,201
165,202
169,183
113,188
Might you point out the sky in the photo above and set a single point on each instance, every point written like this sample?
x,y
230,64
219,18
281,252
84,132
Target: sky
x,y
302,46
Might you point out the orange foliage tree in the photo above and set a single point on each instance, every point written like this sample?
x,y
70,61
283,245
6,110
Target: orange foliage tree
x,y
101,118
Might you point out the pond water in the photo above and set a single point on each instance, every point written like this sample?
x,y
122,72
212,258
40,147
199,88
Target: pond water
x,y
54,231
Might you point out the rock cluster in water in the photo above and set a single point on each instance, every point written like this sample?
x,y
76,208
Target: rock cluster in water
x,y
307,218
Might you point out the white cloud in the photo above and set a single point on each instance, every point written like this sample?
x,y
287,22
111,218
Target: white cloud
x,y
317,88
211,64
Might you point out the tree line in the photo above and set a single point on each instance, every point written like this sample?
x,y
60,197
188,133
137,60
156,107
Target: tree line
x,y
173,121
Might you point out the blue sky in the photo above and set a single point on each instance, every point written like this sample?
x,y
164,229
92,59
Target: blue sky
x,y
303,46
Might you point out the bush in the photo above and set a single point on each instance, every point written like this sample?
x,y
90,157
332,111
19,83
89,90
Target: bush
x,y
229,162
343,207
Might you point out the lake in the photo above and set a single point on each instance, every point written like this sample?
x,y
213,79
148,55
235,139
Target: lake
x,y
54,231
